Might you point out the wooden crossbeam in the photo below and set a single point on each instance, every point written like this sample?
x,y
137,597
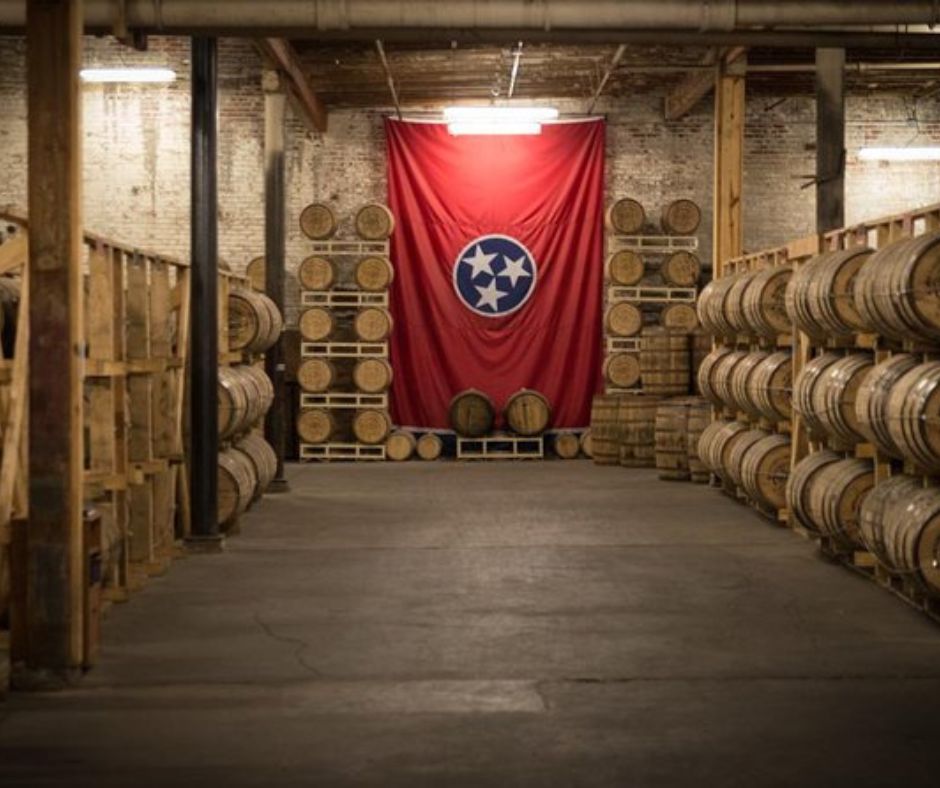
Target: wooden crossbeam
x,y
282,56
697,84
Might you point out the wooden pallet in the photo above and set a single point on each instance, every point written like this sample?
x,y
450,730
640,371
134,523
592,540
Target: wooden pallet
x,y
612,390
353,248
344,349
501,447
343,299
344,399
622,344
646,294
341,451
652,244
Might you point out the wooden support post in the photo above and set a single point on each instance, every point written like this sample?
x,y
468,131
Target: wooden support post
x,y
830,139
54,648
728,230
274,211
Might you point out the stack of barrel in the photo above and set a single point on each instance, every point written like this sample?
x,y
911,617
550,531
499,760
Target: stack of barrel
x,y
364,326
247,463
527,414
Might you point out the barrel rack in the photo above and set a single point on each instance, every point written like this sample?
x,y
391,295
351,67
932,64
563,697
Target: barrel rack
x,y
501,447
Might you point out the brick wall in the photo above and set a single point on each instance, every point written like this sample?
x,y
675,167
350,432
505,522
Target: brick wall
x,y
137,156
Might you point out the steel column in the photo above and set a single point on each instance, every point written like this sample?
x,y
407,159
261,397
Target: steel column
x,y
830,139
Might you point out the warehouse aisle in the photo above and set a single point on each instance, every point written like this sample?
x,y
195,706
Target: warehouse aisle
x,y
503,624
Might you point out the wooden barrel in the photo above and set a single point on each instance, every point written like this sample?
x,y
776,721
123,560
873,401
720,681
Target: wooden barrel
x,y
721,376
834,396
874,514
374,222
636,418
400,446
317,221
664,362
371,426
253,321
236,485
681,318
605,430
770,387
713,306
255,272
622,370
717,443
740,383
871,404
429,446
671,439
233,403
681,269
820,298
804,392
765,469
373,324
741,445
700,415
733,305
706,375
801,481
764,303
913,416
681,217
372,375
262,457
527,412
700,346
625,217
567,445
317,324
625,268
316,273
316,375
316,425
623,319
374,274
912,538
471,414
835,499
255,394
587,447
265,386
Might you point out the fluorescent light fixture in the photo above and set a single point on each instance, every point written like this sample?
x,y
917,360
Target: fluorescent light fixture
x,y
899,154
127,75
500,114
465,128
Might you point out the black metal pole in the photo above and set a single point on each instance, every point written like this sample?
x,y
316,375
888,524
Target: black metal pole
x,y
830,139
204,298
274,210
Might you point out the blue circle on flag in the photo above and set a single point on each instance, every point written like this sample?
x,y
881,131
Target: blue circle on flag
x,y
494,275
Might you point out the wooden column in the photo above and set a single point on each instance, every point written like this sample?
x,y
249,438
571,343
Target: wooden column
x,y
54,534
830,139
274,211
728,229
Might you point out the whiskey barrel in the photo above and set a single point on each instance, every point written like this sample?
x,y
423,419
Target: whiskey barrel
x,y
721,376
765,469
623,319
820,298
400,446
527,412
373,324
316,425
717,443
664,362
914,414
700,415
834,395
233,403
264,385
622,370
671,439
371,426
801,481
835,499
876,511
700,346
740,383
681,217
711,307
681,269
804,392
764,302
316,273
374,274
256,394
316,375
738,450
255,273
471,414
372,375
587,447
236,485
770,387
317,324
733,306
429,446
567,445
625,217
262,457
912,538
636,417
706,442
318,222
254,322
706,375
681,318
605,430
871,404
625,268
374,222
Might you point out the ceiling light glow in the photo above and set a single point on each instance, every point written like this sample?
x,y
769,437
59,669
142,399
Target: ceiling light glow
x,y
102,75
899,154
500,114
468,128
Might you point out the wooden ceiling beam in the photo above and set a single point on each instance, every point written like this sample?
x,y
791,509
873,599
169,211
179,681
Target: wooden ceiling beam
x,y
281,55
696,85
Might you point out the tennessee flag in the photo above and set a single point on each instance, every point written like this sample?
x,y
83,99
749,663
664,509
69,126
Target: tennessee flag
x,y
498,262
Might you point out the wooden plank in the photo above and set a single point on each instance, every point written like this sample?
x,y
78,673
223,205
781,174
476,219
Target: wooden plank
x,y
728,233
14,253
15,421
54,620
281,55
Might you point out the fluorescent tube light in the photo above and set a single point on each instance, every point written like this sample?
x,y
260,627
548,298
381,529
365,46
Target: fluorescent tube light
x,y
500,114
899,154
127,75
468,128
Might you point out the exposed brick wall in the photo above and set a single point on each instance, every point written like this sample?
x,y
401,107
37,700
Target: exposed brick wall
x,y
137,156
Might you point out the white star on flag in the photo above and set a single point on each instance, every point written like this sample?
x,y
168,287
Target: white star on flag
x,y
479,262
490,295
514,270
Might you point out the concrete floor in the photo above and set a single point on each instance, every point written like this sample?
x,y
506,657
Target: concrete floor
x,y
502,624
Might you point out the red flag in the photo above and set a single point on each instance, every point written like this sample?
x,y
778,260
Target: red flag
x,y
498,267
